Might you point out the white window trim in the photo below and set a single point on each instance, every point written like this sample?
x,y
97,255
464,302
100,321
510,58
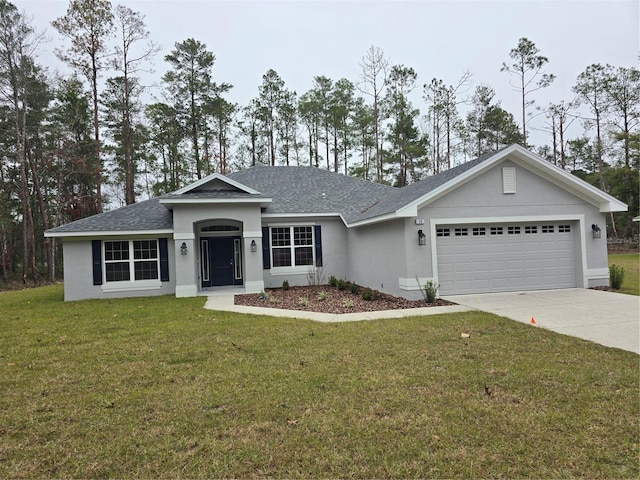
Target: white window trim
x,y
293,269
125,285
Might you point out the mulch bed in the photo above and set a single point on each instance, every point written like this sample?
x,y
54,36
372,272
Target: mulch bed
x,y
310,298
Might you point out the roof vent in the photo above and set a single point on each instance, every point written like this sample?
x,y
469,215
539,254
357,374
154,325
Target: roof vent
x,y
509,180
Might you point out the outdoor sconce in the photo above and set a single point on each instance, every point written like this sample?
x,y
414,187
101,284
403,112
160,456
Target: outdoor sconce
x,y
183,248
595,229
254,247
422,238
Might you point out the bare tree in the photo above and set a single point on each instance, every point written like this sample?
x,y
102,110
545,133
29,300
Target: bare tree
x,y
373,81
131,30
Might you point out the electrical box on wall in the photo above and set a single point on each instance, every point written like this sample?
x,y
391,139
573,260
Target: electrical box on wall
x,y
419,221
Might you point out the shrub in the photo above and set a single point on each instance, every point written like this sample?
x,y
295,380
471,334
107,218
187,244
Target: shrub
x,y
342,285
430,291
315,276
333,281
367,294
616,276
347,303
353,288
303,301
322,295
285,285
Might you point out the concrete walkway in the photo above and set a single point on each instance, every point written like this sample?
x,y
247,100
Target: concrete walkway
x,y
225,302
607,318
610,319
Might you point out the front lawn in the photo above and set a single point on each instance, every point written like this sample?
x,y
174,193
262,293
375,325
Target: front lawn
x,y
631,264
161,388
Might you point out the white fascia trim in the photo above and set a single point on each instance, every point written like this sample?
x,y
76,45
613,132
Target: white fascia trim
x,y
176,201
305,215
250,234
184,236
215,176
381,218
124,233
299,215
411,284
515,219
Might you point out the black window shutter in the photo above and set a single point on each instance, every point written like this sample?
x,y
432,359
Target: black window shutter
x,y
96,251
318,240
164,260
266,257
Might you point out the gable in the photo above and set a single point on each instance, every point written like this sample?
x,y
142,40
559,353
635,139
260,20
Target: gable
x,y
525,191
216,183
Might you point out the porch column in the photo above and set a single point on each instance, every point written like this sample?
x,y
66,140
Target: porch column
x,y
186,264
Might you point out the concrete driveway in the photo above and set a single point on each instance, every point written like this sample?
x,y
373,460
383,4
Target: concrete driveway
x,y
610,319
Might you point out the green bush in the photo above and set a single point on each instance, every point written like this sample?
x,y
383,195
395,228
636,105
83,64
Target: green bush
x,y
353,288
342,285
430,291
285,285
367,294
616,276
333,281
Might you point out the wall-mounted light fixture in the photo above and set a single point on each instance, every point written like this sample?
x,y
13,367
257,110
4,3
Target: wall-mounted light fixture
x,y
183,248
422,238
595,229
254,247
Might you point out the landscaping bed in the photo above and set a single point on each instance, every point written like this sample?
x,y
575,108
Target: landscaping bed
x,y
326,299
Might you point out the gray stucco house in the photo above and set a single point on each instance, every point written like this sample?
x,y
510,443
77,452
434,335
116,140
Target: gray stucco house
x,y
506,221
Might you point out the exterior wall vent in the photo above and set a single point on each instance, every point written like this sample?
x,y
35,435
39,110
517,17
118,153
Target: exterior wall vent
x,y
509,180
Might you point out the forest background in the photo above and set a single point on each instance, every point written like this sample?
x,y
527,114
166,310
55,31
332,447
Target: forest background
x,y
100,135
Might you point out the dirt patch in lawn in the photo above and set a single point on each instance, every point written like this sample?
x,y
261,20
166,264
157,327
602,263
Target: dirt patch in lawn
x,y
325,299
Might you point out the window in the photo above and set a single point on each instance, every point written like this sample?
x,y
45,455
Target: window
x,y
126,259
461,232
496,230
292,246
547,228
443,232
513,230
479,231
530,229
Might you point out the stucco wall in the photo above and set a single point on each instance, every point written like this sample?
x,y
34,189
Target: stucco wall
x,y
378,255
78,274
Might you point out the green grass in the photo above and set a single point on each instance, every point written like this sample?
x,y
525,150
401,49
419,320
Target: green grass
x,y
631,264
161,388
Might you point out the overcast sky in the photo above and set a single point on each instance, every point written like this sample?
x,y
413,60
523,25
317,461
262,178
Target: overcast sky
x,y
302,39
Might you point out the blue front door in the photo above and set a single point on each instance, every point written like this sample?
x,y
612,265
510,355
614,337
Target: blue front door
x,y
221,261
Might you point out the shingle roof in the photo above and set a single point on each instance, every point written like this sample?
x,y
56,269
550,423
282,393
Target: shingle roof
x,y
313,190
293,190
145,215
405,195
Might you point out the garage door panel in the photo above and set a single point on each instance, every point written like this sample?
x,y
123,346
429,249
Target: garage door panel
x,y
508,262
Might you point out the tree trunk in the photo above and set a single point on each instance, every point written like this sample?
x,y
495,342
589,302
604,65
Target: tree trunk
x,y
96,134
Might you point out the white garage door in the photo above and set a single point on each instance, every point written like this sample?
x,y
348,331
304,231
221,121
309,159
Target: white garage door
x,y
508,257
